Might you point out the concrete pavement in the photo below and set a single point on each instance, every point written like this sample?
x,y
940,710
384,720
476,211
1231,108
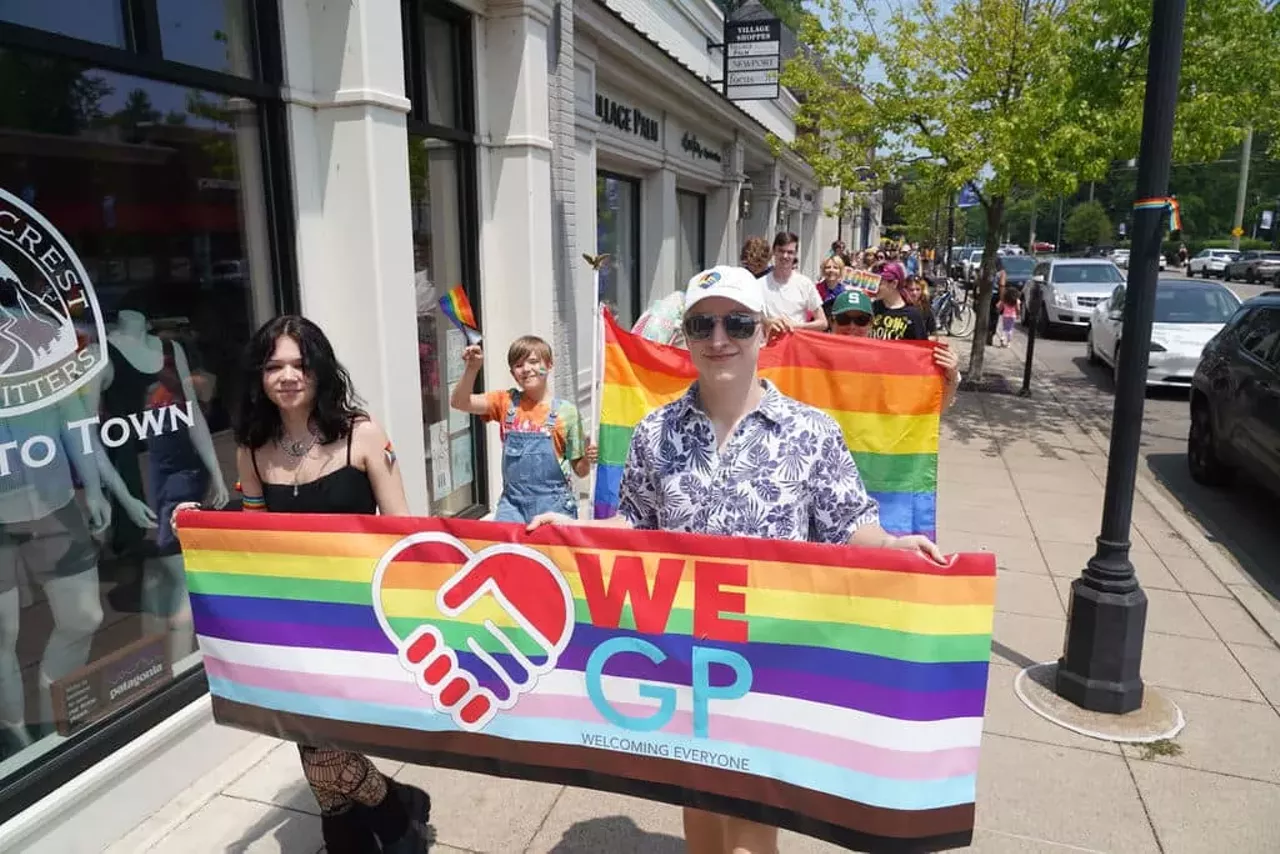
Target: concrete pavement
x,y
1022,478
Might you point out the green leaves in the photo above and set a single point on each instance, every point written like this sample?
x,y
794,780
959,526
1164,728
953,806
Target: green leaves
x,y
1088,225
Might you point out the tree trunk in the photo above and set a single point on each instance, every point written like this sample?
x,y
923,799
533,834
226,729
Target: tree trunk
x,y
982,301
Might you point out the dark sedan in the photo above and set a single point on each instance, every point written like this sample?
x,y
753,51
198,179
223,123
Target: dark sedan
x,y
1235,399
1017,270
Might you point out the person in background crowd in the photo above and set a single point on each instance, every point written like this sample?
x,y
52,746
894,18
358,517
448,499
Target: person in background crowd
x,y
895,319
730,414
305,446
832,283
912,263
1183,261
542,436
661,322
997,296
1008,315
755,256
915,291
791,298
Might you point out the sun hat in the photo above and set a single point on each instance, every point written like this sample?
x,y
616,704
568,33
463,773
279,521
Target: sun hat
x,y
733,283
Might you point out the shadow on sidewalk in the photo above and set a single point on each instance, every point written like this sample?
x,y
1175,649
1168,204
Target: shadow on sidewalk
x,y
616,834
294,832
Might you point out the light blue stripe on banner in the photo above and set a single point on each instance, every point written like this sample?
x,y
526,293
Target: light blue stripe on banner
x,y
808,773
908,512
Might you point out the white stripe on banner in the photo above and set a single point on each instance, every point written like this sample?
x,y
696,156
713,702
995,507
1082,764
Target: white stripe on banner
x,y
865,728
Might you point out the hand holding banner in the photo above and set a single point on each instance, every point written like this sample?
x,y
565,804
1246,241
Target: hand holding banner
x,y
833,690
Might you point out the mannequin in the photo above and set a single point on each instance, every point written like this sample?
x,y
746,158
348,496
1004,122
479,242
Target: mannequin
x,y
144,372
43,532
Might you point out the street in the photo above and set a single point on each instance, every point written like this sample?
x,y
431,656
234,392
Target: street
x,y
1239,519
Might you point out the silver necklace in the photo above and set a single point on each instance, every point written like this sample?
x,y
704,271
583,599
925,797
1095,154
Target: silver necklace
x,y
298,450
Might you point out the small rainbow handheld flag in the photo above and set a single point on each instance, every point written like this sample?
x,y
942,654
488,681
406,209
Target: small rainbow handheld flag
x,y
885,395
457,308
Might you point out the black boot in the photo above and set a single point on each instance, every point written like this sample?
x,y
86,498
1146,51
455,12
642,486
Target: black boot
x,y
400,821
348,833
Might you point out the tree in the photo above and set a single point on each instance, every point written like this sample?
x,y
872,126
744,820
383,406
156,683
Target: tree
x,y
1088,225
1018,96
137,110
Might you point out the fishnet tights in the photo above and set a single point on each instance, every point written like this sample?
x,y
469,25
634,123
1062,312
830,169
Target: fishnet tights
x,y
340,779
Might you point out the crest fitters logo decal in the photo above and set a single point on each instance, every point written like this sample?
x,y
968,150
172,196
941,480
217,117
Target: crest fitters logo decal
x,y
490,630
51,332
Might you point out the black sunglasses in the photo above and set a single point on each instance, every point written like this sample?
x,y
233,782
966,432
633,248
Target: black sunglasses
x,y
739,325
854,317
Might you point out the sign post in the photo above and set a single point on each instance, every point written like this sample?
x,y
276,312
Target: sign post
x,y
752,59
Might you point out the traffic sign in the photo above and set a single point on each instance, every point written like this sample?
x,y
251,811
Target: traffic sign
x,y
1237,232
752,58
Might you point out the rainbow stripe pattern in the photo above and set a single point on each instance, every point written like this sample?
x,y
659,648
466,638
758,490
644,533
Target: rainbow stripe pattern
x,y
886,397
457,307
867,668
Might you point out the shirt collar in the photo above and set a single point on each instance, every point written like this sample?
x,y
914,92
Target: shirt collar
x,y
771,406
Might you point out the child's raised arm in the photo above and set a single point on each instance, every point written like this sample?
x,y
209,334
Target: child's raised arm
x,y
463,398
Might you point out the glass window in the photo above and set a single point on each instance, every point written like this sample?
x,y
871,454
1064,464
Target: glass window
x,y
618,236
435,174
692,240
1262,333
134,265
213,34
440,61
99,21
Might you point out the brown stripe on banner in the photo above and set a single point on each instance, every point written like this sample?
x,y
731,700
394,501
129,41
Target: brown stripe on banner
x,y
854,825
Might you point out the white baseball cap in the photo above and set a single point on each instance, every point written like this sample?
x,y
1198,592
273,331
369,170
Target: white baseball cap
x,y
734,283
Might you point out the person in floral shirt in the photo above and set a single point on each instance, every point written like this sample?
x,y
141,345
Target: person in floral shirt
x,y
736,457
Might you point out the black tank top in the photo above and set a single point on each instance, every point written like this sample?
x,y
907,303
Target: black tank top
x,y
345,490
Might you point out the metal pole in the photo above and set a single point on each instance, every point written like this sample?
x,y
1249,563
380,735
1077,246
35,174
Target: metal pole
x,y
1057,246
1101,663
1242,189
1033,311
1031,238
951,232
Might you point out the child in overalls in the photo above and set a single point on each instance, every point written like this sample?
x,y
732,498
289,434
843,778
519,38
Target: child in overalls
x,y
542,437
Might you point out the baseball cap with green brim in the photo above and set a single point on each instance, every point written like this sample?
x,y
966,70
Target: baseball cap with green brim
x,y
852,300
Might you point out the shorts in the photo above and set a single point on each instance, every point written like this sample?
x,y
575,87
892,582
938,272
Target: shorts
x,y
58,545
168,490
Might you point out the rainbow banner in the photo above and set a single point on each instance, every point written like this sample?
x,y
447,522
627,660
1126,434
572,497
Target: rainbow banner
x,y
885,395
457,307
833,690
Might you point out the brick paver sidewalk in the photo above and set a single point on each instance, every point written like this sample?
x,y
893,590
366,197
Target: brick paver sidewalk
x,y
1019,478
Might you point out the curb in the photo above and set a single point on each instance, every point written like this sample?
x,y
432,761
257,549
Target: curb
x,y
1250,596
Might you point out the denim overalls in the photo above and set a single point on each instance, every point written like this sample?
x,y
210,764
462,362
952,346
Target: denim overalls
x,y
532,480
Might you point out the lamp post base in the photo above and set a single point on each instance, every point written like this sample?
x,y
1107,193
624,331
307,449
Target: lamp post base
x,y
1100,669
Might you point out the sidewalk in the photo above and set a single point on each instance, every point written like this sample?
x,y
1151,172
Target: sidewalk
x,y
1018,477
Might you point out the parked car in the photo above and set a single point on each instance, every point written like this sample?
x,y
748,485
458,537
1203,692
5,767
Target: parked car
x,y
1066,290
1211,262
1235,399
1187,315
1253,266
1121,258
1018,270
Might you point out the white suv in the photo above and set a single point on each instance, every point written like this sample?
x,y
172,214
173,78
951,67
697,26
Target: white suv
x,y
1211,262
1068,290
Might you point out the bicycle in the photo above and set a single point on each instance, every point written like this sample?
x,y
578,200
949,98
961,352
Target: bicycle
x,y
954,312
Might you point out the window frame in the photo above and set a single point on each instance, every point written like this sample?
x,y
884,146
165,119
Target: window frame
x,y
141,57
634,284
465,142
700,261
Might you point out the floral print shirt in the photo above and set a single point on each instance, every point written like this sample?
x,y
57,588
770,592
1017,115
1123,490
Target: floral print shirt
x,y
784,474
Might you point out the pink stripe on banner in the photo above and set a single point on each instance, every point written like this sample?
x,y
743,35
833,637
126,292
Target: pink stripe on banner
x,y
841,752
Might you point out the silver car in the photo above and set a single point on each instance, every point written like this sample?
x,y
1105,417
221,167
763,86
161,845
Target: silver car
x,y
1068,290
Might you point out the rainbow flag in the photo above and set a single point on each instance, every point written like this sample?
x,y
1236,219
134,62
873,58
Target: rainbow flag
x,y
846,700
457,307
886,396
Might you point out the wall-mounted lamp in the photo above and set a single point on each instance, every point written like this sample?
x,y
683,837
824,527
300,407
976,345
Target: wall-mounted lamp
x,y
744,201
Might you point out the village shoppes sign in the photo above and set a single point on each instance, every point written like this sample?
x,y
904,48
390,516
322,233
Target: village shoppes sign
x,y
752,59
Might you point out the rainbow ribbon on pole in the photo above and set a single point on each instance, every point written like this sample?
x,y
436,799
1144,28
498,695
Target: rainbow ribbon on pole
x,y
1163,203
457,307
885,395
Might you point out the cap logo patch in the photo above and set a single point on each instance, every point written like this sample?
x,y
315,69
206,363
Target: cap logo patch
x,y
708,279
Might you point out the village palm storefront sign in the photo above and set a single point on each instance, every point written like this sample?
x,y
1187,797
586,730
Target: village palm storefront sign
x,y
628,118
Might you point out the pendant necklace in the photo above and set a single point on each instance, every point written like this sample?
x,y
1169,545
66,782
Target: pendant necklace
x,y
298,450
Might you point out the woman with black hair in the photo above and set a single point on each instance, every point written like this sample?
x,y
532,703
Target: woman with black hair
x,y
305,446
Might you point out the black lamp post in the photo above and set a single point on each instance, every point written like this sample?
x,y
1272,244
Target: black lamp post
x,y
1100,668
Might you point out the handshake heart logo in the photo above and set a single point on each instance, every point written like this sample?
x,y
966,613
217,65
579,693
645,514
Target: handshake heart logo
x,y
491,629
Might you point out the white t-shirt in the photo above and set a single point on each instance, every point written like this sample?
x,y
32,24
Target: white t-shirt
x,y
795,300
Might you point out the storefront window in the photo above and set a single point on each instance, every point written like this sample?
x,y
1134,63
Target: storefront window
x,y
438,220
692,236
133,270
213,34
99,21
618,236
